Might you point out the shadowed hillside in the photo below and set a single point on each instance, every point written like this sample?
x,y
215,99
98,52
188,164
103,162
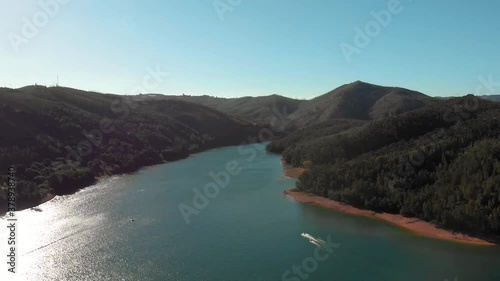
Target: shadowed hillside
x,y
61,139
255,109
440,163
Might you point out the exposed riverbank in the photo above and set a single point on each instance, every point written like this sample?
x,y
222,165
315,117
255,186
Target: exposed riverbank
x,y
291,172
414,225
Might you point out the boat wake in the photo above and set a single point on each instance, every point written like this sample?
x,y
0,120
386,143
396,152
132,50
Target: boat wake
x,y
313,240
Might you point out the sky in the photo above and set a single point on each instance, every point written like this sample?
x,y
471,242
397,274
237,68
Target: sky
x,y
232,48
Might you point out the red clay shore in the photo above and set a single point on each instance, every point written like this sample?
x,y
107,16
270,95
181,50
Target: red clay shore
x,y
290,171
412,224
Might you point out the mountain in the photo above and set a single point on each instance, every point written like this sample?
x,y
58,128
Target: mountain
x,y
62,139
361,101
440,163
255,109
358,100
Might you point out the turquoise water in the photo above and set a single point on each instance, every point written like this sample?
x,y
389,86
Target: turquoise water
x,y
248,231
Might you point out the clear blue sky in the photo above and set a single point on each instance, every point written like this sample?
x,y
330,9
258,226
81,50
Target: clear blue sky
x,y
261,47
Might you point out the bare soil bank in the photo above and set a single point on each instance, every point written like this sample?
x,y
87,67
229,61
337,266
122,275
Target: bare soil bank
x,y
415,225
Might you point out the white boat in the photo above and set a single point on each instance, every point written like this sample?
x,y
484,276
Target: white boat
x,y
316,241
310,237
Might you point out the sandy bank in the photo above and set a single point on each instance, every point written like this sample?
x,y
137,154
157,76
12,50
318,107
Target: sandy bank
x,y
290,171
412,224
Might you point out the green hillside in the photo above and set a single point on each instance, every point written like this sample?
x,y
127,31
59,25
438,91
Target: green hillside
x,y
440,163
62,139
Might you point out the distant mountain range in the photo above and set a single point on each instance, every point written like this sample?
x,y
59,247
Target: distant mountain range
x,y
491,98
255,109
357,100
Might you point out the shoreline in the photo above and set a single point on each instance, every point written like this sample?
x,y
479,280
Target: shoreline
x,y
290,171
49,196
414,225
34,205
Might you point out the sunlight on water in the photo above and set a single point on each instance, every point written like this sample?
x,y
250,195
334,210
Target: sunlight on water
x,y
130,228
58,230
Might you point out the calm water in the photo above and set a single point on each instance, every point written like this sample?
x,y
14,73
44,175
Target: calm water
x,y
249,231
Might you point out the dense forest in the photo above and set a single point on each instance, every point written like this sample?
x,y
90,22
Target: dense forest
x,y
440,163
62,139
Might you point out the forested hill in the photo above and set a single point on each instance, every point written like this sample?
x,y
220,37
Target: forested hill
x,y
260,110
61,139
357,100
440,163
361,101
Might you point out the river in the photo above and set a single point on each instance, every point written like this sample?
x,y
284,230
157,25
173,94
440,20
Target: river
x,y
145,226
